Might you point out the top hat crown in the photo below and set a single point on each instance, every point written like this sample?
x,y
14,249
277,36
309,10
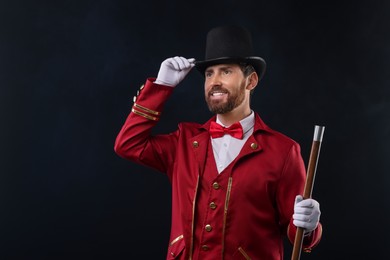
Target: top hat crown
x,y
230,44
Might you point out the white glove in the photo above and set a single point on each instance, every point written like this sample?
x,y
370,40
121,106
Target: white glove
x,y
173,70
306,213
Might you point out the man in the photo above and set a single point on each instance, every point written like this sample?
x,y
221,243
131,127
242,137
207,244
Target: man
x,y
234,180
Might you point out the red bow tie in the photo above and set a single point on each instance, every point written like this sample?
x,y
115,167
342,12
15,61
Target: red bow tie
x,y
235,130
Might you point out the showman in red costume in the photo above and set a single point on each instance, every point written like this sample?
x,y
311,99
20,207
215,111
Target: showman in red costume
x,y
236,183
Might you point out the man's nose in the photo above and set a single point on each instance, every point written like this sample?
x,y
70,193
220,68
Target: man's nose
x,y
214,80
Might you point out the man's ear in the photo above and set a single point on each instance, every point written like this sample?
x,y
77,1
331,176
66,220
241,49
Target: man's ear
x,y
252,81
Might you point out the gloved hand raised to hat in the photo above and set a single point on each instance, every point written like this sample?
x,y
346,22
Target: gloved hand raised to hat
x,y
306,213
173,70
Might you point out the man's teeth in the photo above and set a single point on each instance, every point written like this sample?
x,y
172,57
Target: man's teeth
x,y
217,93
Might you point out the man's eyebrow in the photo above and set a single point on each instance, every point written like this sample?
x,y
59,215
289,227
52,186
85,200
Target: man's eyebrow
x,y
225,67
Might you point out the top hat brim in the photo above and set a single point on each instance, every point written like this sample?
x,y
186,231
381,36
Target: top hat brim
x,y
258,63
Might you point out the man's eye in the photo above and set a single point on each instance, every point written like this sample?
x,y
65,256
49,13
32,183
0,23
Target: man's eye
x,y
226,72
208,74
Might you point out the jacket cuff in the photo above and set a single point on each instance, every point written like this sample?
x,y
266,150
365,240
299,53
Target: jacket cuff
x,y
150,100
309,241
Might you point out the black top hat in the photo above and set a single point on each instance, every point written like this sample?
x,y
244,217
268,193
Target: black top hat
x,y
230,44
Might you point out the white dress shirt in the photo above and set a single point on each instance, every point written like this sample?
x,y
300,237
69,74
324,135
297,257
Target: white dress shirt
x,y
226,148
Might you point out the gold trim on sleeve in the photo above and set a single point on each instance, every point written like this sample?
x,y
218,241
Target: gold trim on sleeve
x,y
176,239
144,115
145,109
244,253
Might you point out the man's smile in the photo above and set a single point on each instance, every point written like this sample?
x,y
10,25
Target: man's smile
x,y
218,93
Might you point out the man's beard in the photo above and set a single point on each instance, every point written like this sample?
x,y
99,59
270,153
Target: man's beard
x,y
233,100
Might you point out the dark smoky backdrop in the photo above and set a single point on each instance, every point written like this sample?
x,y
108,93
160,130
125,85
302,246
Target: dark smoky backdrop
x,y
69,71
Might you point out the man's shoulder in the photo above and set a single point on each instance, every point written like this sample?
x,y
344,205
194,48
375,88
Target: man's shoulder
x,y
190,126
281,137
190,129
273,135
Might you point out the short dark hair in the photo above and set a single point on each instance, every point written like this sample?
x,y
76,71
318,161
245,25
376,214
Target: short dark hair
x,y
247,69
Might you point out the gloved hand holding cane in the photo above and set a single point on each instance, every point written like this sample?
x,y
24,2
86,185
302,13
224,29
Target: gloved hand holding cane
x,y
306,214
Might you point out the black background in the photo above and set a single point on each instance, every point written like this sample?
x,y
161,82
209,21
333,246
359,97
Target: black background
x,y
69,70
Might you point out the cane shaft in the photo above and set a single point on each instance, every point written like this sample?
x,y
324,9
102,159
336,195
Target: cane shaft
x,y
309,184
311,169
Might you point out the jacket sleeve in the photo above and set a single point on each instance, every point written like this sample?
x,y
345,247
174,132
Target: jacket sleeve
x,y
135,141
292,184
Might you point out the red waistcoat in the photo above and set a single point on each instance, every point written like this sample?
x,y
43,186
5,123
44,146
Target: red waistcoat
x,y
210,218
256,191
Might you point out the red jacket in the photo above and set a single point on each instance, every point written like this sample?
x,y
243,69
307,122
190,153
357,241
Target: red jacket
x,y
260,201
